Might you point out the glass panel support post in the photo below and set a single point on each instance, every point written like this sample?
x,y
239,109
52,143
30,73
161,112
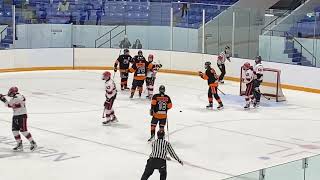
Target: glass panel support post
x,y
171,29
203,30
262,174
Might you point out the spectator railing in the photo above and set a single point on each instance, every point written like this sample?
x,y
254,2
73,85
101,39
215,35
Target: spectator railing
x,y
110,36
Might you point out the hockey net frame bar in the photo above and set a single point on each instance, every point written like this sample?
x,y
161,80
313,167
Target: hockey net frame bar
x,y
278,95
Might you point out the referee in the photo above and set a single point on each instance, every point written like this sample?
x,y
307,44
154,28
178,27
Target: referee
x,y
158,157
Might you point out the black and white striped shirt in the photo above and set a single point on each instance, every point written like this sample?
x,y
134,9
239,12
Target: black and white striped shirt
x,y
160,149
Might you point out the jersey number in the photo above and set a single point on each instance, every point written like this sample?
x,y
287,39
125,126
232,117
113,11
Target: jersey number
x,y
162,106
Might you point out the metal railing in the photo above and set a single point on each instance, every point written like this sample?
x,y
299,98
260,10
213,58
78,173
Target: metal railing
x,y
1,37
110,37
286,13
301,47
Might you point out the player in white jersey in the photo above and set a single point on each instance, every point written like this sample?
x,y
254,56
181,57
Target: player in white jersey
x,y
19,120
248,79
151,76
258,78
224,55
111,94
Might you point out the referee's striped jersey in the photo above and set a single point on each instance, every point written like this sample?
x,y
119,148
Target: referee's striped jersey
x,y
160,148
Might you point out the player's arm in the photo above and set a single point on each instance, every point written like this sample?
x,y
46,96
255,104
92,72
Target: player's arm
x,y
153,105
203,76
169,105
116,64
133,68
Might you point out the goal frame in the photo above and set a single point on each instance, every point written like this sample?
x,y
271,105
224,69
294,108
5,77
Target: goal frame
x,y
276,85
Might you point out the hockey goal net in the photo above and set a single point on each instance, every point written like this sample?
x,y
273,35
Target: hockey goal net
x,y
270,87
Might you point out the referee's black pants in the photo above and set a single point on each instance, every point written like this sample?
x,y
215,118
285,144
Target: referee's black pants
x,y
222,68
155,163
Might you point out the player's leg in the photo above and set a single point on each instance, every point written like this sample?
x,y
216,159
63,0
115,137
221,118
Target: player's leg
x,y
256,92
162,124
149,83
24,131
113,116
248,94
133,88
15,132
140,87
122,80
125,80
109,113
153,127
217,97
148,171
210,98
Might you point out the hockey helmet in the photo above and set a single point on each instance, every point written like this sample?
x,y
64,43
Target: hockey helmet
x,y
160,134
106,75
13,91
246,65
140,52
126,50
150,57
207,64
227,48
162,89
258,59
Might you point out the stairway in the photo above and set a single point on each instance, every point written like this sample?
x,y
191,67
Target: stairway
x,y
7,41
294,54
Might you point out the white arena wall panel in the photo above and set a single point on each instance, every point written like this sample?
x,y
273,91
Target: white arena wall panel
x,y
292,76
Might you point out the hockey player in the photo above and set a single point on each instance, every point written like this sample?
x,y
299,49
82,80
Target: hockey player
x,y
111,94
258,78
151,75
19,120
139,68
123,61
212,78
224,55
160,105
248,80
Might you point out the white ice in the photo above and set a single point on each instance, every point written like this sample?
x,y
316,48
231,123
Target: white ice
x,y
65,115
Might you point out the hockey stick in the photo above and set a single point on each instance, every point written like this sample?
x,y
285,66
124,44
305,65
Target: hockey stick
x,y
168,130
114,73
265,97
103,114
221,91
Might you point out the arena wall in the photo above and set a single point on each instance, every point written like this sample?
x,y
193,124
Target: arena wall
x,y
292,76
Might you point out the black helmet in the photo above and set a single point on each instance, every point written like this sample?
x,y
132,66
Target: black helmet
x,y
207,64
160,134
139,52
162,89
258,59
227,48
125,50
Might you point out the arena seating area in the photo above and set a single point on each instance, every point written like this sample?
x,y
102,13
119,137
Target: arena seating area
x,y
305,27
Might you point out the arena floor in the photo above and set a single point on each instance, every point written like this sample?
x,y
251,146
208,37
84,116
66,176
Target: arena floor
x,y
65,109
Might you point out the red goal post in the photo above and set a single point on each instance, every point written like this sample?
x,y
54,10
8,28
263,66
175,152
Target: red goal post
x,y
271,85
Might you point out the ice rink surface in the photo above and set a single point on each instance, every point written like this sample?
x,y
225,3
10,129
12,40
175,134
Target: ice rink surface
x,y
65,115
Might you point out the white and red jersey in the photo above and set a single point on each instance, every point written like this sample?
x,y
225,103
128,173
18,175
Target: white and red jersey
x,y
18,104
225,56
248,76
110,88
258,71
151,73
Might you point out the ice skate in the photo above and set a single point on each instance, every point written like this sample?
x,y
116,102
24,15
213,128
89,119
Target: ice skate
x,y
19,147
33,145
247,106
151,138
220,107
210,105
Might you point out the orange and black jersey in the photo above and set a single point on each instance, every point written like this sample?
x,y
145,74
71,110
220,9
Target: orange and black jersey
x,y
123,61
160,104
211,76
140,68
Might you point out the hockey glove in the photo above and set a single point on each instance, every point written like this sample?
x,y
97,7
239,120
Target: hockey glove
x,y
151,112
2,98
181,162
